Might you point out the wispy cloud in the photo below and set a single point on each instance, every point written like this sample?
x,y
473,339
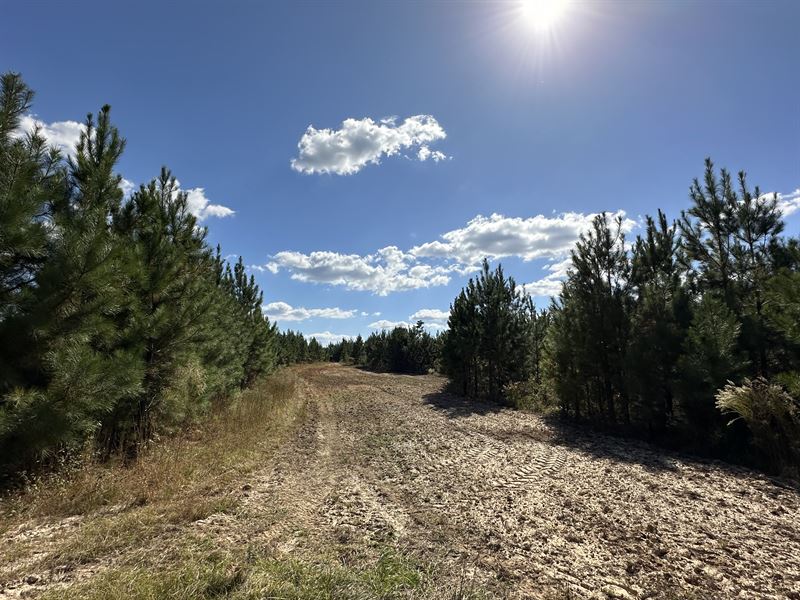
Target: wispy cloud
x,y
386,324
281,311
430,315
360,142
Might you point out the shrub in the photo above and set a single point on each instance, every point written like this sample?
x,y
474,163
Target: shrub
x,y
531,396
772,416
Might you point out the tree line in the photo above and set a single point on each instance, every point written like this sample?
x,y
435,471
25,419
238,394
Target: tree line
x,y
117,320
689,335
402,349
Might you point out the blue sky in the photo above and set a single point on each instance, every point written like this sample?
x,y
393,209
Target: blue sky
x,y
612,108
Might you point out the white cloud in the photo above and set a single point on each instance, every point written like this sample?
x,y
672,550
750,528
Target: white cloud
x,y
550,285
435,155
127,187
789,203
430,314
459,251
360,142
281,311
388,270
270,266
200,206
498,236
385,324
63,135
326,337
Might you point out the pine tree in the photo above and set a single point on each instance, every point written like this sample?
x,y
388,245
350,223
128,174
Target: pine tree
x,y
592,324
709,359
486,346
31,179
659,316
708,230
76,368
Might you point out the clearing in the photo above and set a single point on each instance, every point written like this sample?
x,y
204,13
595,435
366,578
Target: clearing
x,y
386,486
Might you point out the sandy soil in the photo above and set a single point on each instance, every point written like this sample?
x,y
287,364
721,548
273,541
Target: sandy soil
x,y
513,502
506,495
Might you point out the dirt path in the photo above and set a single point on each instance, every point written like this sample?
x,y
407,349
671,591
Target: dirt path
x,y
487,495
502,496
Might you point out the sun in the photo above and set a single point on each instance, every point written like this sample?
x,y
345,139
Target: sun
x,y
542,15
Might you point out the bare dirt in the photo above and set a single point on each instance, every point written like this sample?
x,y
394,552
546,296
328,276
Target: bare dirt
x,y
512,501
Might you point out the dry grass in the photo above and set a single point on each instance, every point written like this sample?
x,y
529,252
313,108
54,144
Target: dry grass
x,y
200,462
94,510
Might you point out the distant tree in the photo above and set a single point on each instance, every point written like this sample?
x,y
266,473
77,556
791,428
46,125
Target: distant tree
x,y
359,355
315,351
487,346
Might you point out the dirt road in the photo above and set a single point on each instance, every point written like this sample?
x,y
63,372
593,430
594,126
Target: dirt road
x,y
503,497
487,497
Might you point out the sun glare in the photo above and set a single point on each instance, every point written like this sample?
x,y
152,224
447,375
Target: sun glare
x,y
542,15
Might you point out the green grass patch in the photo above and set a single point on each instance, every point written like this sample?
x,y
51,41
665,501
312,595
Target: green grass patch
x,y
259,577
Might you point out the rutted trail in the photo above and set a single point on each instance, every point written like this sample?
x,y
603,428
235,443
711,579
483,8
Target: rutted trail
x,y
501,495
479,493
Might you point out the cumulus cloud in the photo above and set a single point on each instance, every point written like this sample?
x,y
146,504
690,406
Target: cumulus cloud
x,y
789,203
281,311
550,285
425,153
326,337
387,324
200,206
270,267
388,270
63,135
430,314
360,142
459,251
498,236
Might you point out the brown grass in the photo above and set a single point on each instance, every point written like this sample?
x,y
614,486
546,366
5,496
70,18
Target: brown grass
x,y
176,481
200,462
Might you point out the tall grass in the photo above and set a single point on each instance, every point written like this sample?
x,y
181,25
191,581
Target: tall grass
x,y
184,468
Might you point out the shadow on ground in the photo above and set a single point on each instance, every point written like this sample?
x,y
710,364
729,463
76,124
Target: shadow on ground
x,y
456,407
